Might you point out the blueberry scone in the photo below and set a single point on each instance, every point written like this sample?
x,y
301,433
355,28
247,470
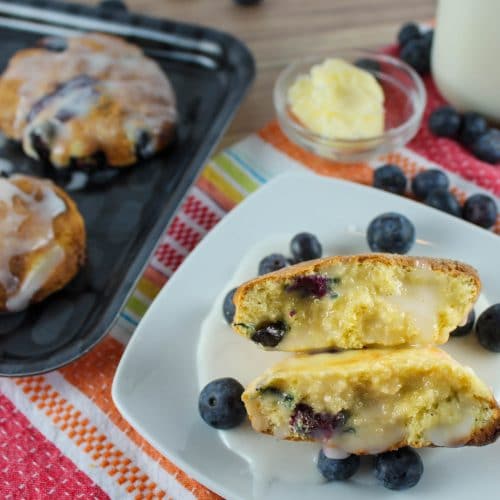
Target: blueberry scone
x,y
373,400
356,301
42,241
94,100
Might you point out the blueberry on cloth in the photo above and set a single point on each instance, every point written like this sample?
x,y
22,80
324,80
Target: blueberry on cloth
x,y
417,54
473,127
429,180
480,209
445,122
445,201
407,32
390,178
487,147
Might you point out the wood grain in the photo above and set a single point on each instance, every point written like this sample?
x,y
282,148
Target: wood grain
x,y
280,31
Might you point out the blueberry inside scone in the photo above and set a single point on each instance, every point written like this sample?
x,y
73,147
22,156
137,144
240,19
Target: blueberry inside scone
x,y
370,401
87,101
351,302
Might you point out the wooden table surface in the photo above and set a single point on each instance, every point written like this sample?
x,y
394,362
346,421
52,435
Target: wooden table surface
x,y
280,31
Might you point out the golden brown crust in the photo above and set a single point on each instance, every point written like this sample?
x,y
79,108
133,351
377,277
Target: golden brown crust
x,y
451,267
126,111
69,234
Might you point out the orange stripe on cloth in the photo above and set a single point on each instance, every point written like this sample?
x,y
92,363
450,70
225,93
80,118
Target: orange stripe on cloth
x,y
356,172
79,429
215,194
93,374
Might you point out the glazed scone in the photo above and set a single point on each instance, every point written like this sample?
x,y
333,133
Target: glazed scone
x,y
355,301
99,101
42,241
373,400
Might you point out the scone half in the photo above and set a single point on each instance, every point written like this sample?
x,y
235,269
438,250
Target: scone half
x,y
356,301
370,401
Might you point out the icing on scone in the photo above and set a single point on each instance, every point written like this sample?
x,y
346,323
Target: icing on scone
x,y
99,96
26,224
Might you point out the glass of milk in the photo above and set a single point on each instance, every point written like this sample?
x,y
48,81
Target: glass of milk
x,y
465,55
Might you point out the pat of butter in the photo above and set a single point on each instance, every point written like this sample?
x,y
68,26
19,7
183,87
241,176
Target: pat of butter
x,y
338,100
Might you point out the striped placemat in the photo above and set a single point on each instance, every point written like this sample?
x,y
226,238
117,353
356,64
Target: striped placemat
x,y
60,434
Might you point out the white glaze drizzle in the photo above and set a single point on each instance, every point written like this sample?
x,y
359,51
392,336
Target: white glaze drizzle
x,y
26,224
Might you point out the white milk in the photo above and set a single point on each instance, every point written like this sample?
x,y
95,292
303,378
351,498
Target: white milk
x,y
465,55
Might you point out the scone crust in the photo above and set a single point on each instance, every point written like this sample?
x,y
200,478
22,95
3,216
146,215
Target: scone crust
x,y
69,234
130,114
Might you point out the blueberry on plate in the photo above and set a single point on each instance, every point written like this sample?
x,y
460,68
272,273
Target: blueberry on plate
x,y
390,178
409,31
272,263
487,147
228,307
463,330
367,64
305,246
445,122
390,232
488,328
427,181
480,209
220,404
473,127
445,201
417,54
334,469
400,469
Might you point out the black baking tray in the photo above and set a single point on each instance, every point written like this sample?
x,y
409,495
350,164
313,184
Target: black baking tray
x,y
125,211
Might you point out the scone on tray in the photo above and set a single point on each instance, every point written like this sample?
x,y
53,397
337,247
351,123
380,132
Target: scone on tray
x,y
374,400
42,241
96,100
356,301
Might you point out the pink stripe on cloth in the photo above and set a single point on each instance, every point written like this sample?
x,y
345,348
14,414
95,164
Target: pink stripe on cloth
x,y
32,467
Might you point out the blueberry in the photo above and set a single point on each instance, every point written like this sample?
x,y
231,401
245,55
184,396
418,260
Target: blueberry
x,y
228,307
272,263
318,425
311,285
41,137
144,145
370,65
53,43
390,232
334,469
445,122
460,331
116,5
443,200
487,147
220,404
305,246
473,127
247,2
427,181
480,209
488,328
270,334
417,54
390,178
428,38
400,469
409,31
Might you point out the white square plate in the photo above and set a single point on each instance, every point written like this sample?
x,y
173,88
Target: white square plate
x,y
158,380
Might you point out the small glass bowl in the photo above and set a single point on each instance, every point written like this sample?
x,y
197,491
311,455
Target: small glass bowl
x,y
404,103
